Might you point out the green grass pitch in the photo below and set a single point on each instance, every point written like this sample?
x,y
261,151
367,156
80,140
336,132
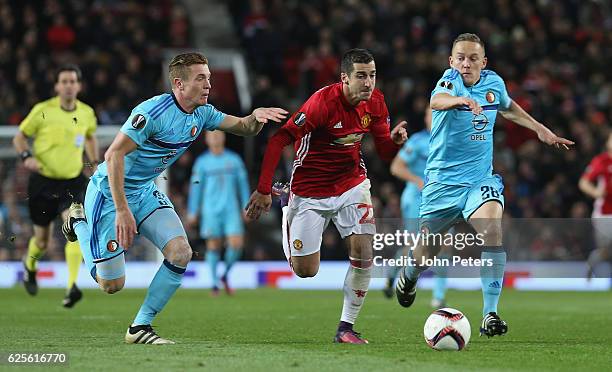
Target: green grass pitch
x,y
277,330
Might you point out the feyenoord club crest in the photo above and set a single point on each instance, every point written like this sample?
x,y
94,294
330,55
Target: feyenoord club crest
x,y
365,121
194,130
490,96
112,246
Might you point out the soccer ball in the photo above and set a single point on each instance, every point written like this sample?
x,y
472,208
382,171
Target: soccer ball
x,y
447,329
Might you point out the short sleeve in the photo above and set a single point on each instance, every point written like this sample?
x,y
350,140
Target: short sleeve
x,y
30,125
448,83
93,124
211,117
504,98
139,126
311,115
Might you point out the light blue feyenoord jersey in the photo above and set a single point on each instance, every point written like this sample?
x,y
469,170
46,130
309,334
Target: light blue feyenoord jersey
x,y
219,184
162,131
461,145
414,153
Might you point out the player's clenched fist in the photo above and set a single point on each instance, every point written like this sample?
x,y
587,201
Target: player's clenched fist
x,y
257,204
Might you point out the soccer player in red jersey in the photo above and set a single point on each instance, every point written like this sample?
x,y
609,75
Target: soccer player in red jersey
x,y
596,182
329,180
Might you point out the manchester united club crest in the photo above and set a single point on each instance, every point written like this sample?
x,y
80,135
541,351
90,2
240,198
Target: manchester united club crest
x,y
112,246
194,130
365,121
297,244
490,96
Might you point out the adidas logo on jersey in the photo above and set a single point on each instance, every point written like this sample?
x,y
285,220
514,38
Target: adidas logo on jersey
x,y
338,125
495,284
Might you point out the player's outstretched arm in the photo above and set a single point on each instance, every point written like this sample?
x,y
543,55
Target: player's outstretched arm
x,y
445,101
125,224
516,114
252,124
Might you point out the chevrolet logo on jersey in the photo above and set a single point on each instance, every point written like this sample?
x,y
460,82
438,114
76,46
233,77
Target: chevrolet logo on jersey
x,y
480,121
349,140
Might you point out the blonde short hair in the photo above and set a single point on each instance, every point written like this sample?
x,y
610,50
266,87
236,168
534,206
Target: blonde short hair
x,y
469,37
178,67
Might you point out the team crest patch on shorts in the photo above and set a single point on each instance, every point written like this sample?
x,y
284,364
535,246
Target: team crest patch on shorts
x,y
138,121
365,121
112,245
490,96
297,244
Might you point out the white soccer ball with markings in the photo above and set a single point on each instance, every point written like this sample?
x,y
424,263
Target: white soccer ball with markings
x,y
447,329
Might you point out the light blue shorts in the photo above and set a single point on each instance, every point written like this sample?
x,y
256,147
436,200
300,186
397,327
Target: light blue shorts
x,y
222,224
155,218
442,204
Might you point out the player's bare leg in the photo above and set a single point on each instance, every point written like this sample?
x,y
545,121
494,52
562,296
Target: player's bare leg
x,y
356,284
213,256
306,266
487,220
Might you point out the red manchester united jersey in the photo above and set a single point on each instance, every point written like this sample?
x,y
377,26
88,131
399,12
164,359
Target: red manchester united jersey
x,y
327,132
600,171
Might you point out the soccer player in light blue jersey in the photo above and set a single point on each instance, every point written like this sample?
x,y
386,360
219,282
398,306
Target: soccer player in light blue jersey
x,y
409,166
122,199
459,179
218,194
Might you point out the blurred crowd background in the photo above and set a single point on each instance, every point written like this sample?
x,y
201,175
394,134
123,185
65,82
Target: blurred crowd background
x,y
552,55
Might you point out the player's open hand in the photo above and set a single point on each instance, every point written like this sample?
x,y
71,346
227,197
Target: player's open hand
x,y
258,203
548,137
399,135
473,105
264,114
125,228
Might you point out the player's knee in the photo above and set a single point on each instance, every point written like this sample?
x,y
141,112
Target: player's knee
x,y
492,231
112,286
179,254
305,271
